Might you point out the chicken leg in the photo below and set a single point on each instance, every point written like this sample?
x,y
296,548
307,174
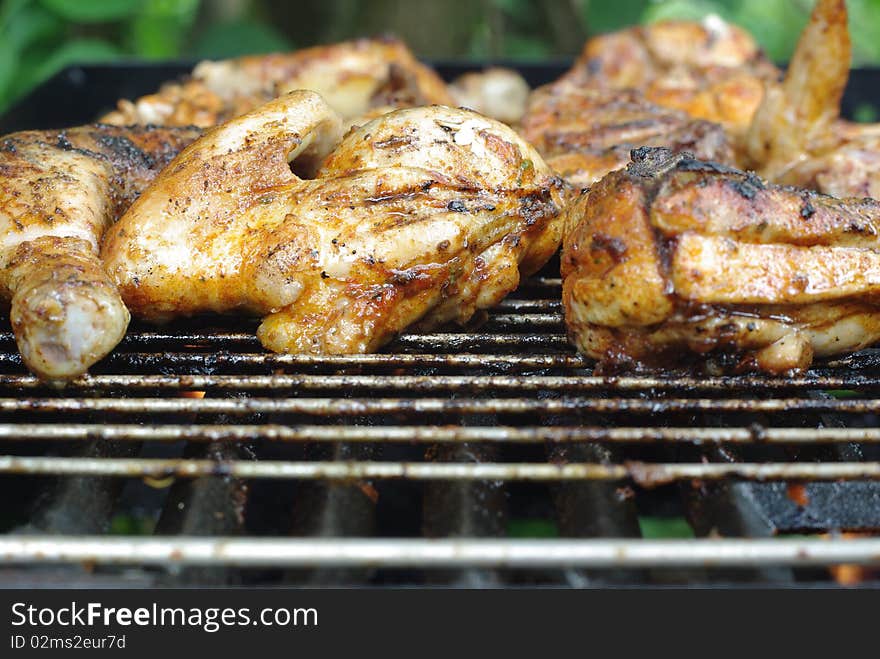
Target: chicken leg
x,y
420,216
60,191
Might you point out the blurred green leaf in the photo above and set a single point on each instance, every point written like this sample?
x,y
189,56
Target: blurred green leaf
x,y
239,38
866,113
30,24
665,527
7,69
159,29
532,528
93,11
688,10
864,25
525,48
603,16
122,524
8,8
76,51
775,25
516,9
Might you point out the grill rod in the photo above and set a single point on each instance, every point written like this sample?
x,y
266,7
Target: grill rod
x,y
397,360
337,406
448,382
419,434
646,474
593,553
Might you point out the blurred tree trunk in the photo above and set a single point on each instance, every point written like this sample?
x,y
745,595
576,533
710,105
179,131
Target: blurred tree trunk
x,y
566,21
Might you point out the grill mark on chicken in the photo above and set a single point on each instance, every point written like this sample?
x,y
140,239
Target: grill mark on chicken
x,y
708,70
586,132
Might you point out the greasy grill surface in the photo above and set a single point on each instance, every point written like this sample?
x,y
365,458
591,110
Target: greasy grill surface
x,y
490,455
191,430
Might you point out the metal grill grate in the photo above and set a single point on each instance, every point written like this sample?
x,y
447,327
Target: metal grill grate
x,y
426,462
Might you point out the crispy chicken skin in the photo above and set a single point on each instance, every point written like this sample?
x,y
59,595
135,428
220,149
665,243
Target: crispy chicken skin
x,y
60,191
353,77
681,85
797,136
711,70
420,217
585,132
673,257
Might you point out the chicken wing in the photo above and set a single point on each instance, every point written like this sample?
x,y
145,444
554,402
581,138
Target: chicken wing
x,y
674,256
353,77
419,217
60,191
797,136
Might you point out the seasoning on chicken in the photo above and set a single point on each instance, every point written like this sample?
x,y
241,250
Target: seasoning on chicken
x,y
673,257
420,217
682,85
60,191
585,132
711,70
353,77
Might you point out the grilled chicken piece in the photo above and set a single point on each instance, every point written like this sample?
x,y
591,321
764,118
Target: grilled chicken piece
x,y
711,70
420,217
353,77
585,132
60,191
797,136
495,92
673,256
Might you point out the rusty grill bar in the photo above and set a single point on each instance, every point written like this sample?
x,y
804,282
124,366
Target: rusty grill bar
x,y
191,456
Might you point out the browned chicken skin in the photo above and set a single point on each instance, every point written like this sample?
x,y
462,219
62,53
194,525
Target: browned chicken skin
x,y
674,257
710,70
60,191
420,217
585,132
682,85
354,77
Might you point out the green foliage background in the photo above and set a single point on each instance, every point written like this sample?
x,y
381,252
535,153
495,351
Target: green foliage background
x,y
40,37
